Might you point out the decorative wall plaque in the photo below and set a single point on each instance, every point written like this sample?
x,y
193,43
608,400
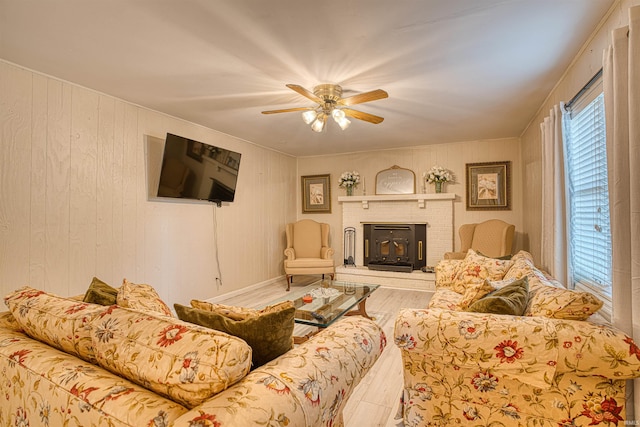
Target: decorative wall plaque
x,y
396,180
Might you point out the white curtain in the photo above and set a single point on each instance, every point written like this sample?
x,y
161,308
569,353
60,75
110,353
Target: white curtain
x,y
622,107
554,257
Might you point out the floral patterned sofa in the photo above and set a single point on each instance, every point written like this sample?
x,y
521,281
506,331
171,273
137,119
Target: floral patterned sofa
x,y
65,362
555,364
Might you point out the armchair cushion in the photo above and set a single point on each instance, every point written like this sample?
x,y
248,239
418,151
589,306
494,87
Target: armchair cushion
x,y
511,299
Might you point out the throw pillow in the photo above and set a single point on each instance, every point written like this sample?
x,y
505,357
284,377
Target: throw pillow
x,y
183,362
232,312
141,297
561,303
269,332
100,293
511,300
474,292
477,268
59,322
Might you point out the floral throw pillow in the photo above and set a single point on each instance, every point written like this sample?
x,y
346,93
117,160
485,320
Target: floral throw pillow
x,y
560,303
477,268
142,298
59,322
183,362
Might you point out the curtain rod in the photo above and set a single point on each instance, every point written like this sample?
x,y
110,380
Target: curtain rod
x,y
584,89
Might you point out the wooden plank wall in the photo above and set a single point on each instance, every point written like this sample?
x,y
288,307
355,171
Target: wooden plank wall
x,y
74,199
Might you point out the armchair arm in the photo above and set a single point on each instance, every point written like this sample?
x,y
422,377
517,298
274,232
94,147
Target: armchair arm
x,y
307,386
454,255
290,253
326,253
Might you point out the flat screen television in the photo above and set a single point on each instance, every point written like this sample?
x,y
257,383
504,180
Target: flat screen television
x,y
193,170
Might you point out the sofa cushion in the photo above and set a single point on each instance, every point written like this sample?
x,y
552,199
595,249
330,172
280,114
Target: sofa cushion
x,y
62,323
43,386
269,332
100,293
511,299
474,292
141,297
445,299
184,362
477,268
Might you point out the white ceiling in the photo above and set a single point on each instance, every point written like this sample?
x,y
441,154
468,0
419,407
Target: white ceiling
x,y
455,70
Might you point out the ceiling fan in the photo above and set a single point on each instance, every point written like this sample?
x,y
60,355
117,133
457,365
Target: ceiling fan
x,y
331,103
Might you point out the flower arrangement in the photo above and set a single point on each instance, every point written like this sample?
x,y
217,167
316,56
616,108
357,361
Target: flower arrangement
x,y
349,179
437,174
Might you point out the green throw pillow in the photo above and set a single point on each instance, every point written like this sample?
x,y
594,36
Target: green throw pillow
x,y
501,258
100,293
268,333
511,299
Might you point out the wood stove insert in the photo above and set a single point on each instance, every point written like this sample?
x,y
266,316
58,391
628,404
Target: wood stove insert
x,y
395,247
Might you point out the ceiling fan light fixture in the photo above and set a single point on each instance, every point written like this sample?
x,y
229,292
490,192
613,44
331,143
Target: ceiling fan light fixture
x,y
309,116
318,124
337,115
330,102
343,123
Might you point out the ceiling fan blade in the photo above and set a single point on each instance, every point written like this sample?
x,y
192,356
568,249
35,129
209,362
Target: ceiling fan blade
x,y
363,116
364,97
288,110
304,92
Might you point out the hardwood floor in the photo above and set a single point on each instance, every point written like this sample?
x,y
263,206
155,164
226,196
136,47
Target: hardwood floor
x,y
375,400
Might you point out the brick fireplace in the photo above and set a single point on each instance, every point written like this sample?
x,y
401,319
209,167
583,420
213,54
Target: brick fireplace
x,y
433,210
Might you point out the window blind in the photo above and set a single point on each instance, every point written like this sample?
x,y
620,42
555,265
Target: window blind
x,y
589,225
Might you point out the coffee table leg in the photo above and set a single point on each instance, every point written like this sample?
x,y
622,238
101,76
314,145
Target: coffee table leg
x,y
361,311
305,338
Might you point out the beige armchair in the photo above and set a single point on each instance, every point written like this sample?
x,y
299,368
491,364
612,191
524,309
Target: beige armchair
x,y
308,250
173,178
493,238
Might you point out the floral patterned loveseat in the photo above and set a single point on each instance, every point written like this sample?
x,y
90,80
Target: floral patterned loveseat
x,y
65,362
553,365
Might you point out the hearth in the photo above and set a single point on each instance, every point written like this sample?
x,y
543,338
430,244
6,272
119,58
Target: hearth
x,y
395,247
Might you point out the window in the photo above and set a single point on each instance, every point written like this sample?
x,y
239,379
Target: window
x,y
588,195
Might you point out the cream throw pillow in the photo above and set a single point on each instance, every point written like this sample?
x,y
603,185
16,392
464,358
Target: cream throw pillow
x,y
476,268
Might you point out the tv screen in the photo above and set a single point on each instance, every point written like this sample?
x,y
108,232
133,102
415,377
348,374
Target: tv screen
x,y
198,171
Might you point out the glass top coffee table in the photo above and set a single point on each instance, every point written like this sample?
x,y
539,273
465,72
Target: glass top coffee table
x,y
325,301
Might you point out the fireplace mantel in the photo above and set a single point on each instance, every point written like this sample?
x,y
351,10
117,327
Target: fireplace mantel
x,y
420,198
433,209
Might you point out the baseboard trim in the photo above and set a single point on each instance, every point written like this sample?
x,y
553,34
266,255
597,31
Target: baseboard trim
x,y
246,289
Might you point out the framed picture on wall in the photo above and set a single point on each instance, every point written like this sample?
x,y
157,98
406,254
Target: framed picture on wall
x,y
316,194
194,150
488,186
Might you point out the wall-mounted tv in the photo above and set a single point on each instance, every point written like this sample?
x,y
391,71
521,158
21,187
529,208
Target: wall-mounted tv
x,y
194,170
